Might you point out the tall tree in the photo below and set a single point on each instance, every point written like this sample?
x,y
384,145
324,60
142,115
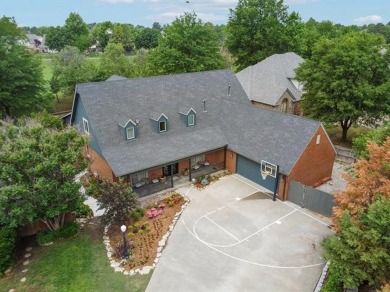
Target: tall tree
x,y
77,31
369,181
147,39
258,29
22,88
187,45
361,250
37,170
56,38
69,68
114,61
101,33
347,78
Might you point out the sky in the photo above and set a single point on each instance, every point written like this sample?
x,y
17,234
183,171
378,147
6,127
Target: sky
x,y
145,12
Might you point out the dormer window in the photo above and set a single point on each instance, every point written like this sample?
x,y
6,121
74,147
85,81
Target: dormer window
x,y
159,122
130,133
85,126
191,119
129,129
188,116
162,126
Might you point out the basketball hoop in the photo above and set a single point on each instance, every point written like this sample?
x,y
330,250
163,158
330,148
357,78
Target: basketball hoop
x,y
264,174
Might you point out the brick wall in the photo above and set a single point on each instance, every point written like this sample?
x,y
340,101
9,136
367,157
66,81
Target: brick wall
x,y
155,173
262,105
183,165
99,165
316,163
215,157
231,159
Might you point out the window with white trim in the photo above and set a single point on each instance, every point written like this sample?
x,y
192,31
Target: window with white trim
x,y
130,133
162,126
191,120
318,139
85,126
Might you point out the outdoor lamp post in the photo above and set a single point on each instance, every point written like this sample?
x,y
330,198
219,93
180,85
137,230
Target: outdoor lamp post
x,y
125,253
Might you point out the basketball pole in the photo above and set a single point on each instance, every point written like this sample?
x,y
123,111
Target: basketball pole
x,y
276,184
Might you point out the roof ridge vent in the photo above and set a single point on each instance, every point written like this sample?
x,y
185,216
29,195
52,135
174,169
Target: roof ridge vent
x,y
204,106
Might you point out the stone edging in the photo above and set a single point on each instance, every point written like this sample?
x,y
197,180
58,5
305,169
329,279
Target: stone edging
x,y
321,280
161,244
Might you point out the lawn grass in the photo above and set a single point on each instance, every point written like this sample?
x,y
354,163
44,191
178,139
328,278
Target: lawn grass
x,y
335,132
77,264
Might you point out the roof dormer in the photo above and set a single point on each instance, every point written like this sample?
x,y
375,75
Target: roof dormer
x,y
129,129
188,116
159,122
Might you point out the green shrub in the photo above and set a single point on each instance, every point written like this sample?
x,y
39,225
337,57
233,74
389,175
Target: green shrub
x,y
333,283
67,230
137,214
83,211
7,245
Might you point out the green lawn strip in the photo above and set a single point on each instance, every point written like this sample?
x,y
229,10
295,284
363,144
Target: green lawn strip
x,y
73,265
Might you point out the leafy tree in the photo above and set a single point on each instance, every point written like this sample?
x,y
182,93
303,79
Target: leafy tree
x,y
347,78
117,200
140,65
370,179
22,88
157,26
114,61
101,33
147,39
379,28
257,29
69,68
37,170
187,45
378,136
77,31
56,38
123,34
361,250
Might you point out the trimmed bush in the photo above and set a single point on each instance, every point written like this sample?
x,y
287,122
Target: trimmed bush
x,y
45,236
83,211
7,245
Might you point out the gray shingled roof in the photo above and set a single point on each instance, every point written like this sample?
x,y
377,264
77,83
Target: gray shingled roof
x,y
108,103
229,121
267,81
261,134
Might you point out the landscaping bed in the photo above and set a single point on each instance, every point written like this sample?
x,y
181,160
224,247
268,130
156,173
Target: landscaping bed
x,y
145,231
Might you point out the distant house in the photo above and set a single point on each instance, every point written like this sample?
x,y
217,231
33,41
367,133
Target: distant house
x,y
153,131
35,43
271,83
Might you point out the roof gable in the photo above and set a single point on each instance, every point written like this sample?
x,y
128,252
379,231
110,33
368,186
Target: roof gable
x,y
267,80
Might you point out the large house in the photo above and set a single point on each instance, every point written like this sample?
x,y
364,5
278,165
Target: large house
x,y
271,83
152,131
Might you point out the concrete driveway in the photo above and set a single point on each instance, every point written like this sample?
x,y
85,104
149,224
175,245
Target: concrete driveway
x,y
233,237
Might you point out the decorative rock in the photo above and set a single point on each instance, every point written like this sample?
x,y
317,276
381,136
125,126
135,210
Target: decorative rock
x,y
26,263
25,271
159,249
156,260
119,269
47,244
23,280
27,255
136,270
115,264
161,243
106,237
7,272
11,290
154,265
132,272
145,270
29,249
158,254
126,273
